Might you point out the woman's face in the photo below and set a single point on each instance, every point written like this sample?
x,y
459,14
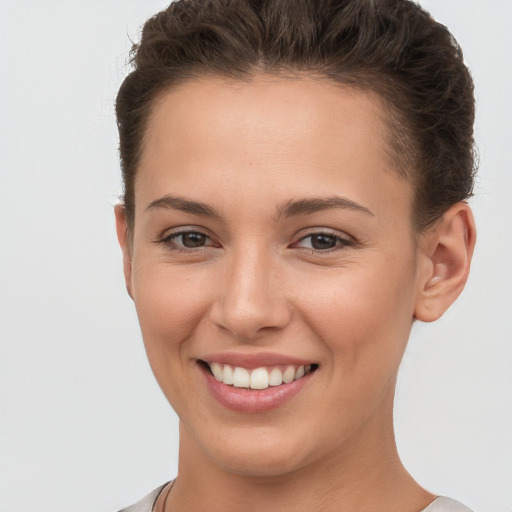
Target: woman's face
x,y
271,231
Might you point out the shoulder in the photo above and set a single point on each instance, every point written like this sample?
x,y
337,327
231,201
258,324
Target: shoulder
x,y
146,503
443,504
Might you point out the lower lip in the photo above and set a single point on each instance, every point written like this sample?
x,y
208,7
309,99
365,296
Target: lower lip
x,y
253,401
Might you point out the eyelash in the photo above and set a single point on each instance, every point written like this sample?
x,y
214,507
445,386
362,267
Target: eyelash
x,y
169,242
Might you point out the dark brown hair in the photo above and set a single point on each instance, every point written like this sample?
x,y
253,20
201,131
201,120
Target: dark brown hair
x,y
389,47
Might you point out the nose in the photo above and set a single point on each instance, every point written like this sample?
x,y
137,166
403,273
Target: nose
x,y
250,299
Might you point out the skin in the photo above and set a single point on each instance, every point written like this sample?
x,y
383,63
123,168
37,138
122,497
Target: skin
x,y
260,283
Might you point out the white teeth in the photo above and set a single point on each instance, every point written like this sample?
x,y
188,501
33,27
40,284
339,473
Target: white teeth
x,y
217,371
299,373
241,378
289,374
227,377
259,378
276,377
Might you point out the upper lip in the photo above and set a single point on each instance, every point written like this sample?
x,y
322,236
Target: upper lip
x,y
251,361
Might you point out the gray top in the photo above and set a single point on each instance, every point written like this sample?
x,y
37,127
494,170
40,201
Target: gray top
x,y
146,504
440,504
443,504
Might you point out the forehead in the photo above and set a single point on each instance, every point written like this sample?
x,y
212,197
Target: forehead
x,y
265,135
288,108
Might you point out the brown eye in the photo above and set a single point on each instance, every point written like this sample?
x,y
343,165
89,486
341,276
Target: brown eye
x,y
320,242
323,242
191,239
187,241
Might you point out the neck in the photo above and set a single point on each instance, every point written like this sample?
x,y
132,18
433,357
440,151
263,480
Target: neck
x,y
362,475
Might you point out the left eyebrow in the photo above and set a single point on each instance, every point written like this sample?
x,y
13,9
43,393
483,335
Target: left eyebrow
x,y
317,204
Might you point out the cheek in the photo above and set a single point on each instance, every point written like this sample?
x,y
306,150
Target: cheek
x,y
362,315
170,304
364,332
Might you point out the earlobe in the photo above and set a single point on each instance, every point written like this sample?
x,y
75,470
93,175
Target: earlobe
x,y
447,251
124,243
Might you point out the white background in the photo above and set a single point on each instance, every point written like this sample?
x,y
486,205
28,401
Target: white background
x,y
83,425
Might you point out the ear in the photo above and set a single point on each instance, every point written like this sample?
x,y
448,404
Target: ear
x,y
124,242
446,253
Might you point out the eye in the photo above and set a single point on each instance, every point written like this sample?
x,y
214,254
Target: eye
x,y
191,239
323,242
186,240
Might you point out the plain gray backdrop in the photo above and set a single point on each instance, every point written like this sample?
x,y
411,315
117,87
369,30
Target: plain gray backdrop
x,y
83,425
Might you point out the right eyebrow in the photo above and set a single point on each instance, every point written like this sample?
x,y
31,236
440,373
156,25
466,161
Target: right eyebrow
x,y
184,205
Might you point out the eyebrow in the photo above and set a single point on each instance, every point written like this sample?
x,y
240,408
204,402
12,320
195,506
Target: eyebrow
x,y
184,205
289,209
317,204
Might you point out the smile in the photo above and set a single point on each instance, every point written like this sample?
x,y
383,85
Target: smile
x,y
258,378
255,383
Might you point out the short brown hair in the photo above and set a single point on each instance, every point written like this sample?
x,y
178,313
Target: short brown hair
x,y
391,47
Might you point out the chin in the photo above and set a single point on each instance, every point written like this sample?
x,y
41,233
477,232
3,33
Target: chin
x,y
257,453
261,465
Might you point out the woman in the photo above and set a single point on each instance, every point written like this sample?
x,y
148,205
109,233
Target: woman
x,y
295,181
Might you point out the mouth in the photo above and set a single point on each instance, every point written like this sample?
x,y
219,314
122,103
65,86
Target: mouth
x,y
257,379
256,383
